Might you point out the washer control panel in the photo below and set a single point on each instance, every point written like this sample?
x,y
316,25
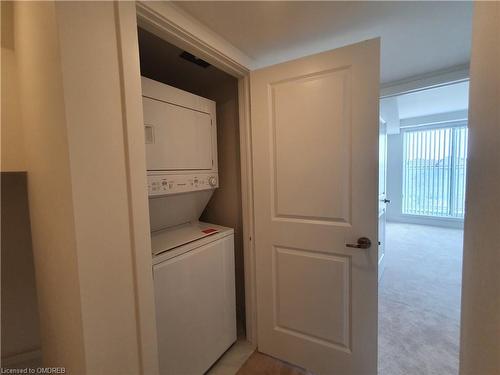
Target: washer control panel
x,y
165,184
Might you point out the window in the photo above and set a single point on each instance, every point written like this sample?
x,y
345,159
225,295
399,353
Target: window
x,y
434,169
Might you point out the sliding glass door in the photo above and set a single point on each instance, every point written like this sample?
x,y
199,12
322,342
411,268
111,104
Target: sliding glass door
x,y
434,170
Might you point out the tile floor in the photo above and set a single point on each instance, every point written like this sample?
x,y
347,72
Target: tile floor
x,y
233,359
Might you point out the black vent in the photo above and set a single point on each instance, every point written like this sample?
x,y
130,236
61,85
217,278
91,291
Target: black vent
x,y
192,58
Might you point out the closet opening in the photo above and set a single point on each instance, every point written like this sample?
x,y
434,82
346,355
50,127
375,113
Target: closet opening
x,y
167,64
422,164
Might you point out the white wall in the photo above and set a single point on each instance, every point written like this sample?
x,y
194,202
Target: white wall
x,y
225,207
82,212
394,175
480,325
49,185
12,145
20,322
94,123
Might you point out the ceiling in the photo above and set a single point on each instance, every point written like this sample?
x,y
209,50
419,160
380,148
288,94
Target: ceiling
x,y
417,37
443,99
443,103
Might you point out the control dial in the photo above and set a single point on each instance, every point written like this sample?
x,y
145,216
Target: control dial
x,y
212,181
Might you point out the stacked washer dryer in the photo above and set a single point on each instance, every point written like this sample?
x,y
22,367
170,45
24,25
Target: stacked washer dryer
x,y
193,262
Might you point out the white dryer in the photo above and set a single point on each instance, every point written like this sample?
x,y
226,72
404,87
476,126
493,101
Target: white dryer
x,y
193,262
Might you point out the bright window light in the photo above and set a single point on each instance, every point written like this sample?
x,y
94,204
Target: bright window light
x,y
434,170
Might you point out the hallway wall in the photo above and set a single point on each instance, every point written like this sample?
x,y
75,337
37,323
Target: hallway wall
x,y
20,322
79,188
480,343
49,184
12,146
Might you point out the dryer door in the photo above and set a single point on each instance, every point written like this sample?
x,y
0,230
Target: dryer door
x,y
177,138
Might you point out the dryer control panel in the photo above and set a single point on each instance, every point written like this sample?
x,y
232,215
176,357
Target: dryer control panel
x,y
166,184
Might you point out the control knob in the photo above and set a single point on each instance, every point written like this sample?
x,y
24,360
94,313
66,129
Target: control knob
x,y
212,181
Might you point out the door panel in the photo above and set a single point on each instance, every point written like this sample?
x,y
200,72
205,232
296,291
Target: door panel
x,y
304,307
326,111
315,152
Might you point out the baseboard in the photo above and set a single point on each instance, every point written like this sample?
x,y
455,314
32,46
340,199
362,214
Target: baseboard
x,y
430,221
18,360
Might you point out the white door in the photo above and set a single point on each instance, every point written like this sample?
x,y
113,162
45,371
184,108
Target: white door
x,y
382,195
315,153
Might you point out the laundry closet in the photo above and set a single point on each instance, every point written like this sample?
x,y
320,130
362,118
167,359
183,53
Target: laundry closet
x,y
194,188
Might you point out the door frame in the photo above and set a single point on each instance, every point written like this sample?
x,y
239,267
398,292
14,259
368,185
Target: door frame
x,y
165,22
168,22
446,77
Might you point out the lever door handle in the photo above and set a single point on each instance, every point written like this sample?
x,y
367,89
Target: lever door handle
x,y
363,243
386,200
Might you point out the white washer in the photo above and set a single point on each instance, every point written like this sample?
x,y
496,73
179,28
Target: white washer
x,y
193,262
195,297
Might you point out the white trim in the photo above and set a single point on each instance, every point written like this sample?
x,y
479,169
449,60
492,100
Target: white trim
x,y
436,119
135,159
23,358
445,77
429,220
247,208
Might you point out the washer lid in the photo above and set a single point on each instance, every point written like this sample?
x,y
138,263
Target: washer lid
x,y
179,235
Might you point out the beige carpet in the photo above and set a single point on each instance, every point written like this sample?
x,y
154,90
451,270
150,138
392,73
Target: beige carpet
x,y
419,301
